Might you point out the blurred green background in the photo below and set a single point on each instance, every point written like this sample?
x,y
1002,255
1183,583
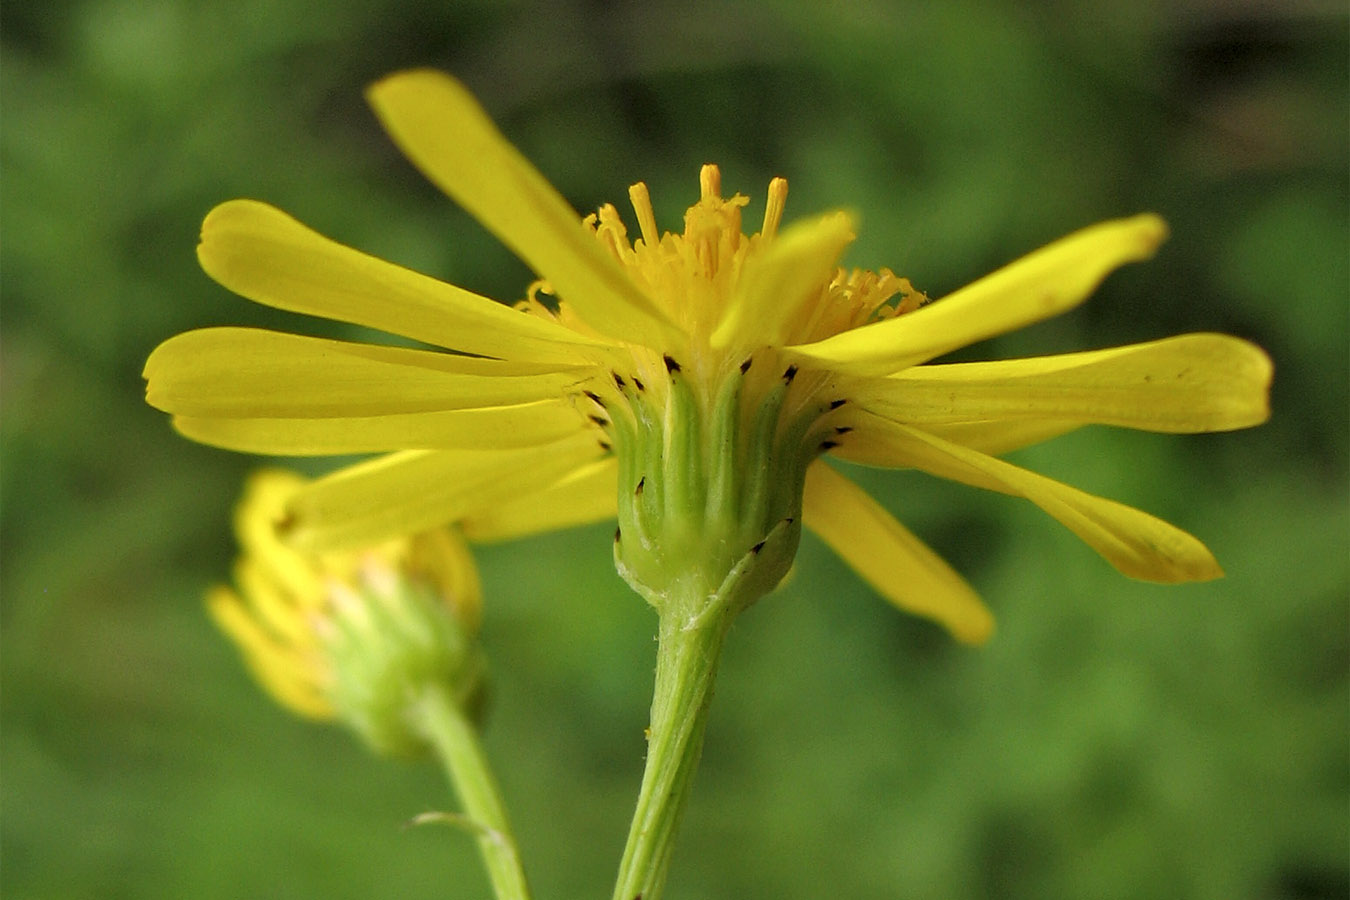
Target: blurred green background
x,y
1115,739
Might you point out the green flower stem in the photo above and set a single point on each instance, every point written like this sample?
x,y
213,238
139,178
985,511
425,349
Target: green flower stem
x,y
689,646
447,727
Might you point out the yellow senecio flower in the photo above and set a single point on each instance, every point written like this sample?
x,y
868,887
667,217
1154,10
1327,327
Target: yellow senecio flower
x,y
349,635
529,424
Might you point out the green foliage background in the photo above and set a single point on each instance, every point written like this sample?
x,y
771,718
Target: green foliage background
x,y
1115,740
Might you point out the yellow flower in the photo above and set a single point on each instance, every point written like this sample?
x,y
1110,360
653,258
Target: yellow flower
x,y
683,361
356,636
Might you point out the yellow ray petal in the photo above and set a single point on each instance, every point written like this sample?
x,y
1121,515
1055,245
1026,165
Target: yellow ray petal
x,y
869,441
407,492
287,678
272,604
1137,544
441,128
256,519
518,425
586,495
994,437
1189,383
1042,284
776,283
251,373
895,562
263,254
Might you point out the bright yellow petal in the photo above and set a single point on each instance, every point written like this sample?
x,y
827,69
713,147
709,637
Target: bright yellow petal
x,y
256,520
870,445
438,124
589,494
1045,283
994,437
407,492
284,675
263,254
1185,384
272,604
1137,544
778,281
519,425
901,567
251,373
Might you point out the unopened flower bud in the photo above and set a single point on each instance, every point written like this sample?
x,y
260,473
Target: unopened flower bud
x,y
357,637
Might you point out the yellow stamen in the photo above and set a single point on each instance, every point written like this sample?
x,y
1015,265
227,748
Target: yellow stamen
x,y
773,207
642,205
610,229
710,182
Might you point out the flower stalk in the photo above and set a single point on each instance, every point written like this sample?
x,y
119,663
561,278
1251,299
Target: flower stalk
x,y
449,730
687,655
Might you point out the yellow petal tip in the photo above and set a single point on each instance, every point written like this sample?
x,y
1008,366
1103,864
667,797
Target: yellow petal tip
x,y
396,82
216,253
1264,368
974,630
1152,229
1137,237
223,214
1208,570
1190,563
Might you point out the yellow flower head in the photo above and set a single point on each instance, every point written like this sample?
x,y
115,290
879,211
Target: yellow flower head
x,y
681,381
349,635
